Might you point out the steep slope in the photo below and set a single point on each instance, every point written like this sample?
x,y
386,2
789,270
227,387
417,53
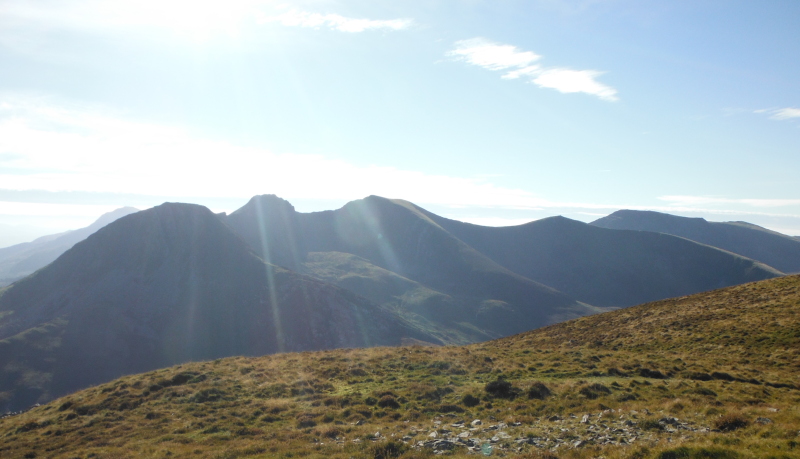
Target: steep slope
x,y
428,309
712,375
769,247
395,236
20,260
607,267
163,286
269,226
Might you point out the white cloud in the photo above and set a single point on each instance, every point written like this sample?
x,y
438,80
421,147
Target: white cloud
x,y
56,148
51,147
195,19
519,63
40,209
492,56
334,21
567,81
24,23
779,114
785,113
680,200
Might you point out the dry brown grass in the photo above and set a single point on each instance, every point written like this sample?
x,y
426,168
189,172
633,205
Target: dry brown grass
x,y
724,356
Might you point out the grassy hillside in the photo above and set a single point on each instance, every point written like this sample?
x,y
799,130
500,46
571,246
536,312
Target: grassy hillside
x,y
778,250
712,375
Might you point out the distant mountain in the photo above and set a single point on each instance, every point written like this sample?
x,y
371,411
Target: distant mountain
x,y
428,309
17,261
772,248
607,267
397,237
177,283
163,286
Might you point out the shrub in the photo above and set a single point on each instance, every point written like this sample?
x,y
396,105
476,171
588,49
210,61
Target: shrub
x,y
704,391
722,376
594,391
653,374
538,391
390,449
692,453
616,372
731,422
387,401
449,409
470,400
331,432
305,420
501,389
697,376
651,424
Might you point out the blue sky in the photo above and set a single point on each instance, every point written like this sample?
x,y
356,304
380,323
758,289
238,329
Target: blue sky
x,y
495,112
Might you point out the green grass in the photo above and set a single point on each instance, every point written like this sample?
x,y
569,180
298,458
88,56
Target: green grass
x,y
380,402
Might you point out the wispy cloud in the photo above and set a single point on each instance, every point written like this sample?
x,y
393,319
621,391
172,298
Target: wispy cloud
x,y
334,22
681,200
785,113
492,56
522,64
200,19
22,21
64,147
779,114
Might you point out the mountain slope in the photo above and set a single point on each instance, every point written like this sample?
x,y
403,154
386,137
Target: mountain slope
x,y
20,260
429,309
395,236
163,286
769,247
607,267
711,375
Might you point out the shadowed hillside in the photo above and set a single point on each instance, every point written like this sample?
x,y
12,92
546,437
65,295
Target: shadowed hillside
x,y
20,260
607,267
395,236
713,375
774,249
168,285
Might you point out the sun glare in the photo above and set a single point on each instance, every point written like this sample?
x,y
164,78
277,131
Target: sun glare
x,y
197,19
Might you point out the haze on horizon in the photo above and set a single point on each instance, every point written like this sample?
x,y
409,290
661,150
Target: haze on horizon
x,y
491,112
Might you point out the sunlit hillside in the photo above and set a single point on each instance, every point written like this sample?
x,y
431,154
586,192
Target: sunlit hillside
x,y
709,375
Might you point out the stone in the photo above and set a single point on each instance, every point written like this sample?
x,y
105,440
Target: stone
x,y
585,419
475,423
443,445
764,420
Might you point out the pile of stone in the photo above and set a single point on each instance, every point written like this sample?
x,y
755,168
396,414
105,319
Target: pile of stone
x,y
550,433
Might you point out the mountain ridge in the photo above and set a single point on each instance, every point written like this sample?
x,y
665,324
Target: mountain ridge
x,y
17,261
152,289
771,248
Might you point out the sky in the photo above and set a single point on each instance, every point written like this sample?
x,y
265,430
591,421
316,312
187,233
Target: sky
x,y
495,112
